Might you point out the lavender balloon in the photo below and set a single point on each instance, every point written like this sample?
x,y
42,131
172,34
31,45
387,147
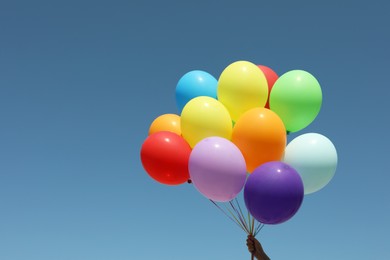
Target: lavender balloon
x,y
273,192
217,169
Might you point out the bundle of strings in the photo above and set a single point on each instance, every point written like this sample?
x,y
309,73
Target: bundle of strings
x,y
233,211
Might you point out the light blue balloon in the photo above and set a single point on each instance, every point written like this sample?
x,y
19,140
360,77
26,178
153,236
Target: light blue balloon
x,y
314,157
194,84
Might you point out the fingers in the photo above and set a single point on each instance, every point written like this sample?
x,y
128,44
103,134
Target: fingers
x,y
257,244
251,249
250,245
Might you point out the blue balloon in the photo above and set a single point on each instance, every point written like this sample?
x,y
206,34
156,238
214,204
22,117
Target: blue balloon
x,y
194,84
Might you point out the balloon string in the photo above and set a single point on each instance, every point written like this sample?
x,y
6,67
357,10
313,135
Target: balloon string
x,y
259,228
253,226
243,224
239,216
235,214
249,217
240,211
251,220
239,207
237,223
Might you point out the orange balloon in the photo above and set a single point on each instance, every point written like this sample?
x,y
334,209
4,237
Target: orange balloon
x,y
166,122
261,136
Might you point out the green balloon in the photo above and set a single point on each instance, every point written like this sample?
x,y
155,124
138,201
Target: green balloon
x,y
296,97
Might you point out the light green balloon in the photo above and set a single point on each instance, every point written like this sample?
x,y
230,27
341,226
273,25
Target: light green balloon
x,y
296,97
314,157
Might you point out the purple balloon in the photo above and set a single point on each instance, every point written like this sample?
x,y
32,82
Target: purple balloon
x,y
217,169
273,192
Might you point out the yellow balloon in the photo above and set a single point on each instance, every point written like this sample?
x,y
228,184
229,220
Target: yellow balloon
x,y
204,117
242,86
166,122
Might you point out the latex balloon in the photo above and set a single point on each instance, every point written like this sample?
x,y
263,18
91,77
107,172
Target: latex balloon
x,y
165,156
314,157
242,86
194,84
166,122
204,117
271,77
217,169
261,137
273,193
296,97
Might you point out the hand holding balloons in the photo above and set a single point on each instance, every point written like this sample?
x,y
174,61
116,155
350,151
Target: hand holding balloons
x,y
203,145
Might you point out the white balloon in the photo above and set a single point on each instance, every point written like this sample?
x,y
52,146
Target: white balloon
x,y
314,157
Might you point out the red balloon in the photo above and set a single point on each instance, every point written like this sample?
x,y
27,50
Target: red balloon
x,y
165,156
271,77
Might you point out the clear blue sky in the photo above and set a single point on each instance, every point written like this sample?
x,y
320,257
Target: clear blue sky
x,y
80,82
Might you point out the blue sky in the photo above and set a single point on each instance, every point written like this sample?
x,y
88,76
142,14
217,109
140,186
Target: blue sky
x,y
80,82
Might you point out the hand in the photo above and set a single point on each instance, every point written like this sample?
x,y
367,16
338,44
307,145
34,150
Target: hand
x,y
255,248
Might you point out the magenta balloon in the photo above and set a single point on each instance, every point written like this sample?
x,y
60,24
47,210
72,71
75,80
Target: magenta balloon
x,y
217,169
273,192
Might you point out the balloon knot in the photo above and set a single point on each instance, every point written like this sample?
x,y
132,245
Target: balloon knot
x,y
189,181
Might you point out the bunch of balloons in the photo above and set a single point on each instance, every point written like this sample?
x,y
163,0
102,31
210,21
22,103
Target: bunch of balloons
x,y
231,135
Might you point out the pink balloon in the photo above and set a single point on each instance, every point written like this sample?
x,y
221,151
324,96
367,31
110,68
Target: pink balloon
x,y
217,169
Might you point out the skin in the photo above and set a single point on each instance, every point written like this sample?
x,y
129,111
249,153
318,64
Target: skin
x,y
256,249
